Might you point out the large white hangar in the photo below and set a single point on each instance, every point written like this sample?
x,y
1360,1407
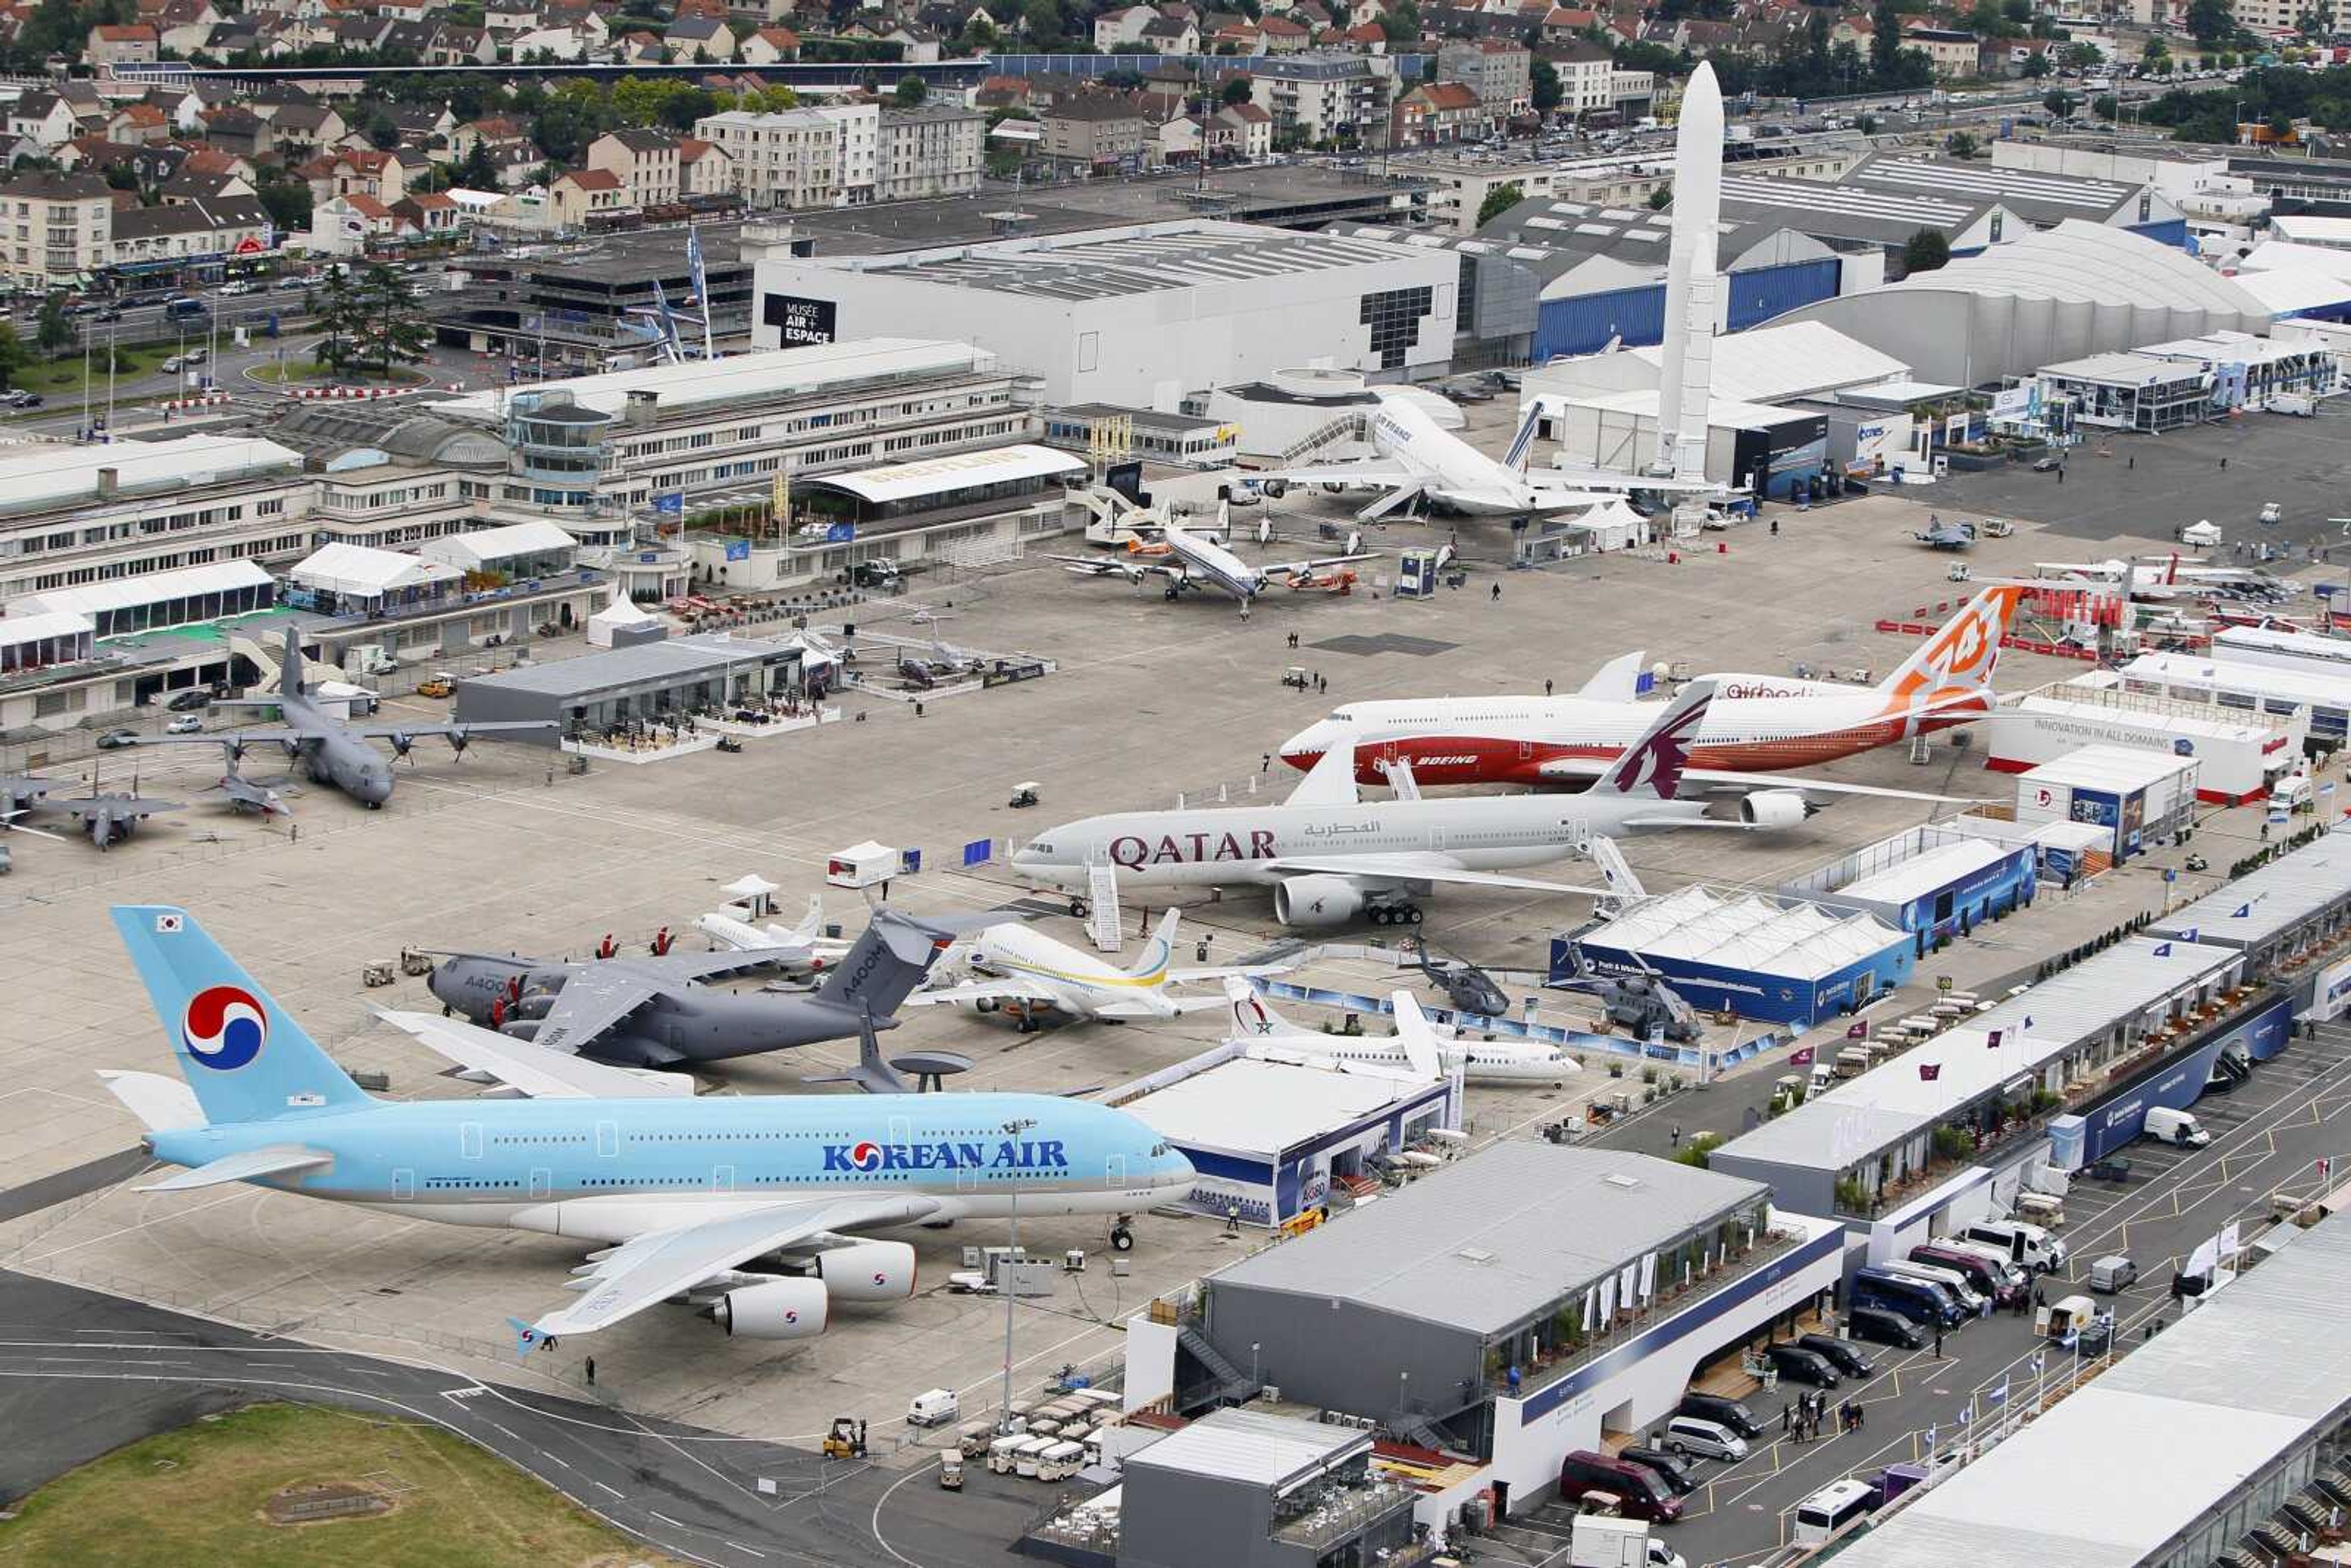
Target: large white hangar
x,y
2068,293
1139,315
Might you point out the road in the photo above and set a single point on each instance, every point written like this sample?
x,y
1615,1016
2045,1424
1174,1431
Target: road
x,y
2265,1136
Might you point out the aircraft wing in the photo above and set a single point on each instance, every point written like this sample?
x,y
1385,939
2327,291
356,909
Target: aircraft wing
x,y
1416,867
596,997
540,1074
1230,971
726,961
983,990
277,735
1580,478
1181,1004
1129,568
1315,563
663,1263
1714,778
1365,471
82,811
417,731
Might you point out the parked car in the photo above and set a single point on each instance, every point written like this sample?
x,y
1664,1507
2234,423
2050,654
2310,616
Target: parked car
x,y
1841,1354
1730,1413
193,700
1797,1365
1640,1491
173,366
115,740
1672,1469
1880,1326
2048,465
186,724
1707,1439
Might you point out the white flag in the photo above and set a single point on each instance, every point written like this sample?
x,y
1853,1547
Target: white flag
x,y
1648,1276
2230,1244
2205,1258
1591,1311
1627,1278
1608,1298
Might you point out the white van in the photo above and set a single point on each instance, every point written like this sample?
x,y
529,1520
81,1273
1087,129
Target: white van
x,y
933,1408
1707,1439
2290,794
2003,1264
1830,1509
2025,1244
2177,1128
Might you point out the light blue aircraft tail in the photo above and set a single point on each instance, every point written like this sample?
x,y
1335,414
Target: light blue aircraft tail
x,y
244,1057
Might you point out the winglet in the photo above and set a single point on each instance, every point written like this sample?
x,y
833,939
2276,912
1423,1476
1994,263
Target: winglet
x,y
1415,1035
1330,782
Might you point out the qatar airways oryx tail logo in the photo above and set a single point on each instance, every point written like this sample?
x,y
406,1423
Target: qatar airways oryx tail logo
x,y
223,1028
865,1157
1656,761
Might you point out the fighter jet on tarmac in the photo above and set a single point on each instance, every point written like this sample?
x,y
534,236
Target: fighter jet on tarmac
x,y
327,749
109,818
241,794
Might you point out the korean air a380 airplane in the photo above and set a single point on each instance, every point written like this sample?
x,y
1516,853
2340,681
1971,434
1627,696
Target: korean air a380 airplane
x,y
740,1205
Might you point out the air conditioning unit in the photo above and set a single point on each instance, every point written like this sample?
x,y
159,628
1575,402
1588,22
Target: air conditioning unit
x,y
1272,1392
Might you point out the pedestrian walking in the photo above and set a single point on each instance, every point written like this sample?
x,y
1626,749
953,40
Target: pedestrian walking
x,y
2134,462
2224,465
2060,472
1678,1135
1939,1341
1497,590
591,1372
1546,686
1787,1419
1266,765
2037,1299
1775,527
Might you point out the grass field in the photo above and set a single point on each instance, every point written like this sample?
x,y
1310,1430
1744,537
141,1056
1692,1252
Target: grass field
x,y
52,377
195,1499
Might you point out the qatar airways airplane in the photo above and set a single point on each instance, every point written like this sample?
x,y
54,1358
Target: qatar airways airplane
x,y
1756,722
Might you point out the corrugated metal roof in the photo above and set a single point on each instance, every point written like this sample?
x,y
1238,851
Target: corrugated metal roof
x,y
2108,767
741,377
50,476
2261,903
2324,688
1265,1107
2157,1446
1274,1451
1925,872
1886,1105
1491,1239
679,658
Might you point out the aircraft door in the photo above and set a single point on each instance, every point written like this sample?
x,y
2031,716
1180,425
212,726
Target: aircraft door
x,y
1114,1173
403,1184
722,1178
902,1131
469,1141
542,1181
1526,751
967,1179
608,1140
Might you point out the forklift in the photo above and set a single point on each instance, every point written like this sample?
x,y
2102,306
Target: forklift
x,y
846,1441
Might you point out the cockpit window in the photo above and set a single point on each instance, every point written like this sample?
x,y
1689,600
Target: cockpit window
x,y
1161,1150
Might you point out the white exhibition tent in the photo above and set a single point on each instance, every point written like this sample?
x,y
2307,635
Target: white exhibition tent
x,y
362,571
622,614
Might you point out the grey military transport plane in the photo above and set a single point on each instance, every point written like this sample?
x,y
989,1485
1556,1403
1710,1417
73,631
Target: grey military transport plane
x,y
327,749
650,1011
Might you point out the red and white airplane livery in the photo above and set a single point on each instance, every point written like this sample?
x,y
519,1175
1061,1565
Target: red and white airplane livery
x,y
1755,723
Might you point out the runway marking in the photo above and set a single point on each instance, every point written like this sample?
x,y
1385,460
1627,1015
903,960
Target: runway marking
x,y
876,1524
748,1551
557,1458
667,1520
616,1491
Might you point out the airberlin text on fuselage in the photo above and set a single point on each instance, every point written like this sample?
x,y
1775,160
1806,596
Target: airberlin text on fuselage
x,y
1130,851
1737,689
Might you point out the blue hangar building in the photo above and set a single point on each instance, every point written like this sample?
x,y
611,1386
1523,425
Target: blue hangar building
x,y
1933,883
1778,960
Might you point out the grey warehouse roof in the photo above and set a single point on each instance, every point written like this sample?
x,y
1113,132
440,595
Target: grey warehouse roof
x,y
2278,897
677,659
2151,1450
1886,1105
1273,1451
1147,260
2042,199
1495,1237
1847,212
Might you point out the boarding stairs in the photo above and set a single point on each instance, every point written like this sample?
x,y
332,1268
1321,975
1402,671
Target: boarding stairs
x,y
1625,887
1346,427
1102,906
1232,1387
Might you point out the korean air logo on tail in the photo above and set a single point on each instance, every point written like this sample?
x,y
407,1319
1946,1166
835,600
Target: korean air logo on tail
x,y
223,1028
1656,761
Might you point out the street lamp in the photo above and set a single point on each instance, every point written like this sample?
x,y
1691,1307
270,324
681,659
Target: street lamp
x,y
1012,1129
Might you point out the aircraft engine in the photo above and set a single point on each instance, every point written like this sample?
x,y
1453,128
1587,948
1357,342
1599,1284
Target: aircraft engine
x,y
521,1028
1774,808
867,1271
777,1309
1275,489
1316,903
531,1005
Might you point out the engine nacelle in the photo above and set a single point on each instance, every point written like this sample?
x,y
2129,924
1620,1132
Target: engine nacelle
x,y
1275,489
1317,902
867,1271
522,1029
1774,808
531,1005
777,1309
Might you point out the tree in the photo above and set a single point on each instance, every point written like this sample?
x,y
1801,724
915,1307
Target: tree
x,y
2105,106
1499,200
1959,145
2036,65
477,171
121,177
12,354
2211,21
339,314
1886,43
55,329
1926,251
1548,93
287,202
1236,91
1662,197
909,93
392,325
380,130
2058,104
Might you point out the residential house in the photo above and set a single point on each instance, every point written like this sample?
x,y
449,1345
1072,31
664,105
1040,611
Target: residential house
x,y
1001,92
420,123
696,38
770,45
1098,130
240,131
788,158
497,132
562,45
704,169
1240,132
1955,53
353,225
1439,113
123,44
1281,36
644,161
138,125
639,48
1122,25
460,46
917,45
45,118
433,214
582,199
188,187
303,131
55,230
181,26
1241,38
354,171
1586,73
929,150
1175,142
1172,35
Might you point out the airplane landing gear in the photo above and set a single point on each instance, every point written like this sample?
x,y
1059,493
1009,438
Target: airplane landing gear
x,y
1077,909
1396,915
1121,1237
